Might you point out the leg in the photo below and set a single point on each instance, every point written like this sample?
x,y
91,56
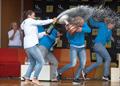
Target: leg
x,y
36,53
54,65
31,66
82,59
105,55
98,60
73,59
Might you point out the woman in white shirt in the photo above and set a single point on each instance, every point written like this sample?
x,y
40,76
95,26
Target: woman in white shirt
x,y
29,26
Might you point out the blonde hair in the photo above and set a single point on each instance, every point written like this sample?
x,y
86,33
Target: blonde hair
x,y
11,25
77,21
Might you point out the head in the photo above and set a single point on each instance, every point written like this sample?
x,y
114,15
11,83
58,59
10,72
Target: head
x,y
110,23
78,21
14,25
30,14
60,28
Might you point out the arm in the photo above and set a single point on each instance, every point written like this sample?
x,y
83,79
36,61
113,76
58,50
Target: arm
x,y
94,23
84,28
41,22
109,36
68,36
11,36
41,34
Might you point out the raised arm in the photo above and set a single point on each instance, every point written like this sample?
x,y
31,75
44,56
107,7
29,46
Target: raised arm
x,y
94,23
41,22
84,28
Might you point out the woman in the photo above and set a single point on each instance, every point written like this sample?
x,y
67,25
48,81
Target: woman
x,y
103,36
15,36
29,26
76,38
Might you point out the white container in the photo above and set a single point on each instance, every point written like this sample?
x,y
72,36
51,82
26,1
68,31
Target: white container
x,y
44,74
115,74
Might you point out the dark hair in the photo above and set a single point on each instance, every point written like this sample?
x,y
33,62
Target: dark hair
x,y
60,28
29,12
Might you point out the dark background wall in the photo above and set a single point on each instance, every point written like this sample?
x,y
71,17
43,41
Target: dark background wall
x,y
51,8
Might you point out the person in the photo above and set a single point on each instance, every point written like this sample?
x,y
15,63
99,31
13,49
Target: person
x,y
45,45
103,36
15,36
29,26
77,47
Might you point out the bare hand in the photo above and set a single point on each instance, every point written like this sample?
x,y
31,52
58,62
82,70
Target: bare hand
x,y
54,20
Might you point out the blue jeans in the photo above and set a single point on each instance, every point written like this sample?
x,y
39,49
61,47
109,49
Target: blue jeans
x,y
74,53
36,61
49,57
101,54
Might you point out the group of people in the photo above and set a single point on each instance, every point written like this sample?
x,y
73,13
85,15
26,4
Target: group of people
x,y
37,44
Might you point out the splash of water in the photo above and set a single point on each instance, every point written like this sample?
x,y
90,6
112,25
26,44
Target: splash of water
x,y
87,11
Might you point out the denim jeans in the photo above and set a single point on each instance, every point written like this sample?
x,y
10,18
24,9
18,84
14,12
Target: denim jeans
x,y
36,61
49,57
74,53
101,54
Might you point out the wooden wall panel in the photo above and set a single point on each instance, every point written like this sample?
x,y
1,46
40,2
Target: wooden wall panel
x,y
0,23
11,11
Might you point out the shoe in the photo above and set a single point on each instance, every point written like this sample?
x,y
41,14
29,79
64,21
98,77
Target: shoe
x,y
59,77
76,81
84,75
106,78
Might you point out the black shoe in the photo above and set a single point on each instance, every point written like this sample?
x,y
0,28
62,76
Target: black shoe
x,y
59,77
84,75
76,81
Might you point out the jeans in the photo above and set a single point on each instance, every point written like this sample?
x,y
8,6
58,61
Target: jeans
x,y
49,57
101,54
74,53
36,61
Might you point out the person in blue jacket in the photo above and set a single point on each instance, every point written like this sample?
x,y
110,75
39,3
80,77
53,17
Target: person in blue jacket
x,y
77,48
103,36
46,42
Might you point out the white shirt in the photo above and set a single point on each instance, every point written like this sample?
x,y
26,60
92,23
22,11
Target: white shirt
x,y
30,28
16,40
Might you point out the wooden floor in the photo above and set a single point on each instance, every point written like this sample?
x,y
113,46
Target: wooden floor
x,y
16,82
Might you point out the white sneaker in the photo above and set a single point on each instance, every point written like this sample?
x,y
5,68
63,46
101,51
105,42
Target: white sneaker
x,y
84,75
105,78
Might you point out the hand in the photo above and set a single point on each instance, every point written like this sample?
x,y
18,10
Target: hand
x,y
54,20
15,30
46,34
79,29
71,28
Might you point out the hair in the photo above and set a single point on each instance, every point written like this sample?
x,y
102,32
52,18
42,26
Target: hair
x,y
11,25
29,12
60,28
109,20
77,21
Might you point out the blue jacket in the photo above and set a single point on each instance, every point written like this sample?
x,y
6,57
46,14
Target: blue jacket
x,y
104,34
48,40
78,38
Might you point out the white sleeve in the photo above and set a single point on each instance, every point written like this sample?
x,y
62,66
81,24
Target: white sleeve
x,y
40,35
41,22
21,26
